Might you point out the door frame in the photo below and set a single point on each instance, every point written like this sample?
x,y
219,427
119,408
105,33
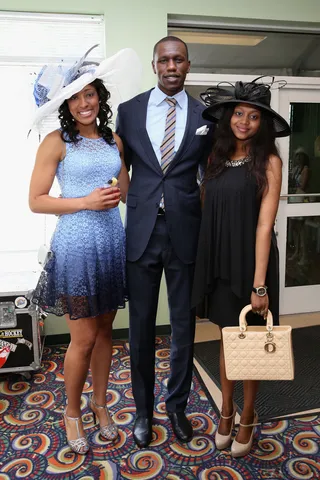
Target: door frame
x,y
293,84
305,298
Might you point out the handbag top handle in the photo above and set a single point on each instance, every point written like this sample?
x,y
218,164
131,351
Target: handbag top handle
x,y
243,323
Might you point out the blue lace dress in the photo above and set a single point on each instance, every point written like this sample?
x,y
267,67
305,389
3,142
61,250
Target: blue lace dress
x,y
85,275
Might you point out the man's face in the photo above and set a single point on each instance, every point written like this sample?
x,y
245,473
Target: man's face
x,y
171,65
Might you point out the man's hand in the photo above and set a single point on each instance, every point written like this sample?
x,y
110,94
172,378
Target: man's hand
x,y
103,198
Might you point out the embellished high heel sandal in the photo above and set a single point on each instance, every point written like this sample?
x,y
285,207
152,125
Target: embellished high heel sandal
x,y
242,449
109,431
79,445
224,441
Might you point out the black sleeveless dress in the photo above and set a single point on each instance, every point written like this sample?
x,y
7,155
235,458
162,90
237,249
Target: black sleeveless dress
x,y
225,263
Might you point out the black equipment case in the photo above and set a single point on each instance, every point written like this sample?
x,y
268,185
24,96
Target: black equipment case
x,y
21,324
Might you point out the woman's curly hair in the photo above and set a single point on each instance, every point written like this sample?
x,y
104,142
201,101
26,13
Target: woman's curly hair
x,y
69,132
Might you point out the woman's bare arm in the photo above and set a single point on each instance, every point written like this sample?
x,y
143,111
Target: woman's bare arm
x,y
267,215
50,152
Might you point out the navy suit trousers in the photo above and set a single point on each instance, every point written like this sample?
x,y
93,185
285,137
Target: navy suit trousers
x,y
144,276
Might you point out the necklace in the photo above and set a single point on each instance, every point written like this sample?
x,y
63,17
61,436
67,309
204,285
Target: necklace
x,y
237,163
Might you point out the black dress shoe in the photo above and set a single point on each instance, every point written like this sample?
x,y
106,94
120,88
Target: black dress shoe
x,y
181,426
142,431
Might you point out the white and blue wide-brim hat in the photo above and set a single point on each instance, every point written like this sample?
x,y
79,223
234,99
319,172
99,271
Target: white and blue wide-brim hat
x,y
120,73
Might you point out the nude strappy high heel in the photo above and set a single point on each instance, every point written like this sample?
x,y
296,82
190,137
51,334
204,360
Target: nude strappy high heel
x,y
242,449
224,441
79,445
109,431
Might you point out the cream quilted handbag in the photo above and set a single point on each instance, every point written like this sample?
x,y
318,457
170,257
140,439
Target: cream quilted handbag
x,y
257,352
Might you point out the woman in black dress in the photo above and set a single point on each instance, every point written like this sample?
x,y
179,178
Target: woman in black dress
x,y
237,260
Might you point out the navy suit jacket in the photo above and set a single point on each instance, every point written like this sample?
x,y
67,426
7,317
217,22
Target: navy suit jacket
x,y
179,183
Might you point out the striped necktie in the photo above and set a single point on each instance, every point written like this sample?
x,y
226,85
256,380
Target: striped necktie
x,y
167,148
168,142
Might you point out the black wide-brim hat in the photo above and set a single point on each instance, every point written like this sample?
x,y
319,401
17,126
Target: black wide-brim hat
x,y
251,93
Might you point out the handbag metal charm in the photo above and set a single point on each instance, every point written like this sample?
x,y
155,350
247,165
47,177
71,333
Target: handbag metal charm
x,y
270,346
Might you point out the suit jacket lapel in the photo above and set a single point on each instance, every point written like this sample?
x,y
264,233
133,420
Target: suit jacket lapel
x,y
191,126
141,115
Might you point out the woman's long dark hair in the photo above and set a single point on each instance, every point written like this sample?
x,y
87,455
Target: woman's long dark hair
x,y
69,131
261,146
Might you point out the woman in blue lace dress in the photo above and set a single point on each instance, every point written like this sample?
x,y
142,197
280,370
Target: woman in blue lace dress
x,y
84,278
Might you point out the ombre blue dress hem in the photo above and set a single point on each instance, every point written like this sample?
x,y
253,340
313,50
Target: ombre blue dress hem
x,y
85,274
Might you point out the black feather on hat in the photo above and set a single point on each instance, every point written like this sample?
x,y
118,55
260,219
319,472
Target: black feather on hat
x,y
252,93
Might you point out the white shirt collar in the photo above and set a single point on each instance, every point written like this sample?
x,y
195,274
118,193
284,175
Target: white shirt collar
x,y
158,96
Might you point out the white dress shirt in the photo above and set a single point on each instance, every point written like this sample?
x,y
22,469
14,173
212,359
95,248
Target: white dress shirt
x,y
156,118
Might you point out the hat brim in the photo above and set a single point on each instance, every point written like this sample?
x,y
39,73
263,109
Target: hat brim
x,y
215,112
121,74
52,105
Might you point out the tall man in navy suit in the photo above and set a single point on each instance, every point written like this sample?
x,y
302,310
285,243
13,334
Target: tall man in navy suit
x,y
165,141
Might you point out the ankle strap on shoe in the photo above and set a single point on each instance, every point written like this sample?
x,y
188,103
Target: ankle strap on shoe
x,y
95,404
227,418
249,425
70,418
254,424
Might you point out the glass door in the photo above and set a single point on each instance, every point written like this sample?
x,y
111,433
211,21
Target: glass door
x,y
298,220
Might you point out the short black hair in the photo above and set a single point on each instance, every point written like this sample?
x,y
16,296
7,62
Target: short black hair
x,y
170,38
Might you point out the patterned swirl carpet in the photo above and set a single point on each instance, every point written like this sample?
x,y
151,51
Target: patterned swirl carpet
x,y
33,446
